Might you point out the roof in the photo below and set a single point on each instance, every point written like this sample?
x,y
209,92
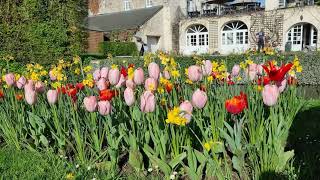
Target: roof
x,y
121,20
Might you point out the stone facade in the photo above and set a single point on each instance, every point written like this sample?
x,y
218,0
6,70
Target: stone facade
x,y
94,38
167,30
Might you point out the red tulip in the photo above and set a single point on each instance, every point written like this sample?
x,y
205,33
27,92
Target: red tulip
x,y
263,80
277,74
237,104
79,86
106,95
124,71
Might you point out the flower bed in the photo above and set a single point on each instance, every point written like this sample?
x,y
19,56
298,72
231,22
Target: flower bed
x,y
189,123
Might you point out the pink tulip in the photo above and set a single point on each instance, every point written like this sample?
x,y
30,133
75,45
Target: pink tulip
x,y
104,72
260,69
10,79
194,73
130,84
207,68
187,109
52,96
129,96
138,76
29,86
154,70
52,77
235,70
199,99
166,74
104,107
114,76
121,82
96,75
21,82
101,84
147,103
282,85
30,96
90,103
150,84
39,87
270,94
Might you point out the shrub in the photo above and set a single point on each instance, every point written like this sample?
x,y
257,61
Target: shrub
x,y
118,48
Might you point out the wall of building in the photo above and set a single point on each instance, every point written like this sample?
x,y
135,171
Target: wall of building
x,y
94,38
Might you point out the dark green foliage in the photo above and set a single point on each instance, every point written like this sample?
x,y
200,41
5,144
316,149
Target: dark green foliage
x,y
118,48
41,30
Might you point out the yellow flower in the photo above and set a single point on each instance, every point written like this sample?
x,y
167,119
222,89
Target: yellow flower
x,y
29,67
160,90
114,66
43,72
188,81
76,60
77,71
70,176
130,73
186,71
239,78
17,76
259,88
292,73
210,78
175,74
243,65
164,80
87,69
215,65
296,63
151,87
174,117
222,68
299,69
207,146
56,84
249,61
274,62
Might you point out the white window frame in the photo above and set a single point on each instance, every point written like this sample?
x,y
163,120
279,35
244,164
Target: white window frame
x,y
197,39
126,5
234,37
149,3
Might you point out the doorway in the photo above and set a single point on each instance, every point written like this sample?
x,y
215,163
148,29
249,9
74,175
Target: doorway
x,y
303,37
153,43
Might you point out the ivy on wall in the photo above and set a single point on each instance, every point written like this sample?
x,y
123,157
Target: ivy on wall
x,y
42,30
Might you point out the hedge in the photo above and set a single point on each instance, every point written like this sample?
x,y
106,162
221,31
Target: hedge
x,y
309,61
118,48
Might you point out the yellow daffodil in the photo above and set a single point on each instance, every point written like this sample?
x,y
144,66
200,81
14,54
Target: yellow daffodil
x,y
299,69
77,71
174,117
87,69
114,66
175,74
70,176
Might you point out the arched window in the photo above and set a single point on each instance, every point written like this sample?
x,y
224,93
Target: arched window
x,y
303,36
197,38
235,37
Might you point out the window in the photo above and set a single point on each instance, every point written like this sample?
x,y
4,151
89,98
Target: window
x,y
235,33
197,36
315,36
126,5
149,3
282,3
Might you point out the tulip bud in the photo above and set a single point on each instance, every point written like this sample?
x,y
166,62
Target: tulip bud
x,y
52,96
30,96
21,82
166,74
154,70
187,109
207,68
104,107
39,87
199,99
138,76
130,84
101,84
147,102
10,79
235,70
282,85
52,77
114,76
129,96
104,72
270,95
121,82
90,103
194,73
96,75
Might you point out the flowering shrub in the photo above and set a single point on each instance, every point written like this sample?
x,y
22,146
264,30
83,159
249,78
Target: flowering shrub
x,y
198,121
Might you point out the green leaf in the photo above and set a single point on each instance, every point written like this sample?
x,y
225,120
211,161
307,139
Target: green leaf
x,y
177,160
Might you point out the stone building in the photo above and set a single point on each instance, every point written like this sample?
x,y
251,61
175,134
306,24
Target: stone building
x,y
211,26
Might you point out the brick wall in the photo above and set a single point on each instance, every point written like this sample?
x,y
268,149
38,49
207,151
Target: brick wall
x,y
94,39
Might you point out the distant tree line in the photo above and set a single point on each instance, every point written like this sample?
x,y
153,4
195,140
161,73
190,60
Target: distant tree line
x,y
42,30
